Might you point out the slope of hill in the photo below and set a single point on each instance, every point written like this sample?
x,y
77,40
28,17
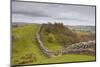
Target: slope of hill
x,y
25,49
24,46
61,36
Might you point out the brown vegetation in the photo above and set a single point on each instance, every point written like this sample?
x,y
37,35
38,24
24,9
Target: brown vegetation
x,y
64,35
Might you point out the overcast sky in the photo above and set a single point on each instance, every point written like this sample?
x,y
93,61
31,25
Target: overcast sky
x,y
32,12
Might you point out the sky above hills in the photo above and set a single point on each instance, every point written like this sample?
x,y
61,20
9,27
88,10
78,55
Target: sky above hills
x,y
32,12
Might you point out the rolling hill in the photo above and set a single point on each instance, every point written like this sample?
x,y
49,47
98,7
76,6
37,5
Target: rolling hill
x,y
25,49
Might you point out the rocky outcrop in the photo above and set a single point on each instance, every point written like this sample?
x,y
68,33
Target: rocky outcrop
x,y
81,48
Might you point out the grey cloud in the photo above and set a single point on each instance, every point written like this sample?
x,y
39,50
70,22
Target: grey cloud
x,y
55,11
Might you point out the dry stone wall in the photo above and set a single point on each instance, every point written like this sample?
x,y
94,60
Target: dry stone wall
x,y
41,45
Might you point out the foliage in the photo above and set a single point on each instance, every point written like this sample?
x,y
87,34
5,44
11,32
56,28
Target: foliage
x,y
51,38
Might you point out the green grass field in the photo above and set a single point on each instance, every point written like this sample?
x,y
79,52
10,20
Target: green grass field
x,y
25,44
70,58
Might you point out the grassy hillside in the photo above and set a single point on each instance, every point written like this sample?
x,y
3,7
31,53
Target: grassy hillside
x,y
25,49
24,44
56,36
70,58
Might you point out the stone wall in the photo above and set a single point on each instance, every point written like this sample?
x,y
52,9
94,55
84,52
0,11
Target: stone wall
x,y
77,48
41,45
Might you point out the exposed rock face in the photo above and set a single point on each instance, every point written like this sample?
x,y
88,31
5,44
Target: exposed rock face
x,y
81,48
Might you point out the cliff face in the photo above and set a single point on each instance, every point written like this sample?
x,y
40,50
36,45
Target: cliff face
x,y
61,33
65,35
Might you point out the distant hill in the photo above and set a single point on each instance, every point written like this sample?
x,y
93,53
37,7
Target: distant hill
x,y
83,28
18,24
